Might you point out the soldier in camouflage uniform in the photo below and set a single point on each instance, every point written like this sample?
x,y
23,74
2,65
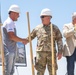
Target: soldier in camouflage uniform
x,y
43,52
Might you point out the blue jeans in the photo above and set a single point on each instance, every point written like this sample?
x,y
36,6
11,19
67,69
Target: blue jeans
x,y
9,63
71,63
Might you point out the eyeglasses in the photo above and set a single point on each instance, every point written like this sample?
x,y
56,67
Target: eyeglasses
x,y
43,16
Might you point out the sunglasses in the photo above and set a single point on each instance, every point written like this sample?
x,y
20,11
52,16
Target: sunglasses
x,y
43,16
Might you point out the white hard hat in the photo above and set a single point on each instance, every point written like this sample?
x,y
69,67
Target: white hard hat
x,y
14,8
46,12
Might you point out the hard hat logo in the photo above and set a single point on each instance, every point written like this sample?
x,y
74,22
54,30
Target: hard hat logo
x,y
14,8
46,12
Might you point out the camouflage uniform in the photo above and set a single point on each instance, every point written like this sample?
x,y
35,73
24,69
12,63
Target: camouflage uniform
x,y
43,56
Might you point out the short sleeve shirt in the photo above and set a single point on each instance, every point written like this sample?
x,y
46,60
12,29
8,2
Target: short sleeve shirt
x,y
8,26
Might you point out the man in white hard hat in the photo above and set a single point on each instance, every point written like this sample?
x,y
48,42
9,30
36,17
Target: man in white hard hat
x,y
69,32
10,38
43,50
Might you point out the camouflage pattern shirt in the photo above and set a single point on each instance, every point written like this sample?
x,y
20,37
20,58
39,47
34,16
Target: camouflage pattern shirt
x,y
43,34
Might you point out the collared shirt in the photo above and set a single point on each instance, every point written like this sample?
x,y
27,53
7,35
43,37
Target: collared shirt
x,y
43,34
8,26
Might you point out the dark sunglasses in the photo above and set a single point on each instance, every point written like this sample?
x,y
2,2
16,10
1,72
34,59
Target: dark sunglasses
x,y
43,16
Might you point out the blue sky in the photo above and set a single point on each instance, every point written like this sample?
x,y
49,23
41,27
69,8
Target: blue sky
x,y
61,11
